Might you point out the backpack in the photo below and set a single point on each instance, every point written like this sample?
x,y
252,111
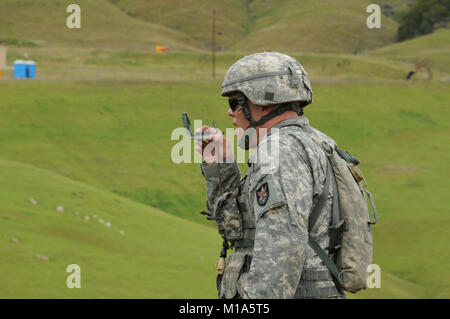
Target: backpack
x,y
350,235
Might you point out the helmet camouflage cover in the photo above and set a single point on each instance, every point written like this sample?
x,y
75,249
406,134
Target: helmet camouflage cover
x,y
269,78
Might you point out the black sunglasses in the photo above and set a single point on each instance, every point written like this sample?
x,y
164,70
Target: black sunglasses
x,y
235,101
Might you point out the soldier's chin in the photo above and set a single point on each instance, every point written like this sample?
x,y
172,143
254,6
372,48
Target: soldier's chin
x,y
246,139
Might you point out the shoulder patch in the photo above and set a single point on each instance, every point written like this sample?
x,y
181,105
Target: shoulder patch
x,y
262,194
266,195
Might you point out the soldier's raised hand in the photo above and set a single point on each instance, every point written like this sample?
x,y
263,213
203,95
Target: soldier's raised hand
x,y
217,150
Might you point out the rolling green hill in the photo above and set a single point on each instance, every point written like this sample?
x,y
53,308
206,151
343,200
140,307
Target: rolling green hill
x,y
193,17
145,253
296,26
433,48
315,26
103,25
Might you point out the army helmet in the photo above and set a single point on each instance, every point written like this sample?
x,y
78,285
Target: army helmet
x,y
269,78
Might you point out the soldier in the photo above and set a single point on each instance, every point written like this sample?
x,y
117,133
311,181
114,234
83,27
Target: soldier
x,y
265,216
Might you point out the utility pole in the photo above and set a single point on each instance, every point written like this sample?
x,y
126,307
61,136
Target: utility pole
x,y
213,43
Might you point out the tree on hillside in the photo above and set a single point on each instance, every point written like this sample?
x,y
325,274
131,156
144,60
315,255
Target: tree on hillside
x,y
423,18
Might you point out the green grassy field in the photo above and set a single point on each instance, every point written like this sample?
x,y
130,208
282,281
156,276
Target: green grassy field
x,y
116,137
155,256
93,134
65,64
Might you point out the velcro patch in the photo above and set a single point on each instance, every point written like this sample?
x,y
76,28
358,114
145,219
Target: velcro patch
x,y
268,96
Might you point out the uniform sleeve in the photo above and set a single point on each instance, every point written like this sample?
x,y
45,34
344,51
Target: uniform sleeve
x,y
281,201
220,178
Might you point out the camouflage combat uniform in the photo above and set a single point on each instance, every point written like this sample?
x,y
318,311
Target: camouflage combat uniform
x,y
265,217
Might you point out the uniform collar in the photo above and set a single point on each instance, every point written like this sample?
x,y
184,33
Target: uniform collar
x,y
296,120
300,120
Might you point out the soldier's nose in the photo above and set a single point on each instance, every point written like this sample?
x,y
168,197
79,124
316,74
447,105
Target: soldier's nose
x,y
230,113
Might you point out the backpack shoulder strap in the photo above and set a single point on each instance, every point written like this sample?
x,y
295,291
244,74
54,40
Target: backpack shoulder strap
x,y
321,201
325,258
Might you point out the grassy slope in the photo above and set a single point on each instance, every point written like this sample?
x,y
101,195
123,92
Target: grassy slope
x,y
306,26
433,48
193,17
117,136
160,256
102,25
312,26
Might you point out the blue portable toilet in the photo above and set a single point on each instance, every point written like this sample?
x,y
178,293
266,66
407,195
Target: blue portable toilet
x,y
30,69
19,69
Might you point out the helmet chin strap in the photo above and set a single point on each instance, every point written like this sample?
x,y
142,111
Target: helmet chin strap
x,y
274,113
264,119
